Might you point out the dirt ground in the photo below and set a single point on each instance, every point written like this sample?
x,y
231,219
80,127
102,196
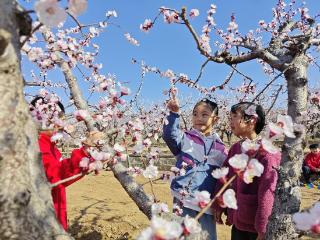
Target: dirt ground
x,y
99,208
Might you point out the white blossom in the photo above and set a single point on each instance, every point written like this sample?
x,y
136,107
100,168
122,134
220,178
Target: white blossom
x,y
254,169
151,172
239,161
50,13
191,225
229,199
77,7
220,172
201,198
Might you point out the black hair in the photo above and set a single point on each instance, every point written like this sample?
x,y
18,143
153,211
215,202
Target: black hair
x,y
34,101
212,105
314,146
243,106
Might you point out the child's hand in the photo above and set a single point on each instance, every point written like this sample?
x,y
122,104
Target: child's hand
x,y
173,105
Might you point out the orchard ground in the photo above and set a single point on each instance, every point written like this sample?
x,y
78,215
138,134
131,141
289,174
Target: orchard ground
x,y
99,208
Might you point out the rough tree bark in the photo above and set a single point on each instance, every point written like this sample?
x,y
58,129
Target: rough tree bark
x,y
287,198
26,209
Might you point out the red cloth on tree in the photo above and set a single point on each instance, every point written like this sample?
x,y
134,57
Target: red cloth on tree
x,y
312,160
57,169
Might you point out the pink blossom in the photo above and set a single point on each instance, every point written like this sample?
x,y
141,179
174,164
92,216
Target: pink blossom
x,y
77,6
158,208
285,121
146,25
50,13
170,17
229,199
308,220
194,13
35,54
111,14
151,172
81,115
205,43
212,10
239,161
191,225
220,172
202,198
161,229
268,146
254,169
84,163
250,147
124,91
147,142
138,148
274,131
96,166
56,137
131,39
177,209
232,26
118,148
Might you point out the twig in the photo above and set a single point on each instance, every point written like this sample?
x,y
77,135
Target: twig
x,y
215,197
275,99
68,179
201,70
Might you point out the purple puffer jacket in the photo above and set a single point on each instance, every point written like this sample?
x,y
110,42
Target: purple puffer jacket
x,y
255,200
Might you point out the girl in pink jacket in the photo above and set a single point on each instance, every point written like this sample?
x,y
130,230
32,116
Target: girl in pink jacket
x,y
254,200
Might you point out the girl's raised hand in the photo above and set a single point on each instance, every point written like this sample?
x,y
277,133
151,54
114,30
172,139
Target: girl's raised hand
x,y
173,103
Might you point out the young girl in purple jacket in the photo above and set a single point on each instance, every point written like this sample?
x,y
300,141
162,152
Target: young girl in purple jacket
x,y
255,200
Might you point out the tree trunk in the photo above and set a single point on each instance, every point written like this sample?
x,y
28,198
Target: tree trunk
x,y
287,196
26,209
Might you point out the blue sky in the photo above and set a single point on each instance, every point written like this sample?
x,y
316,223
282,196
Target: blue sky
x,y
169,46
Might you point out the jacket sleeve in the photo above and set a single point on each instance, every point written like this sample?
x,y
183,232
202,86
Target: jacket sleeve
x,y
51,167
309,163
266,191
70,167
172,133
